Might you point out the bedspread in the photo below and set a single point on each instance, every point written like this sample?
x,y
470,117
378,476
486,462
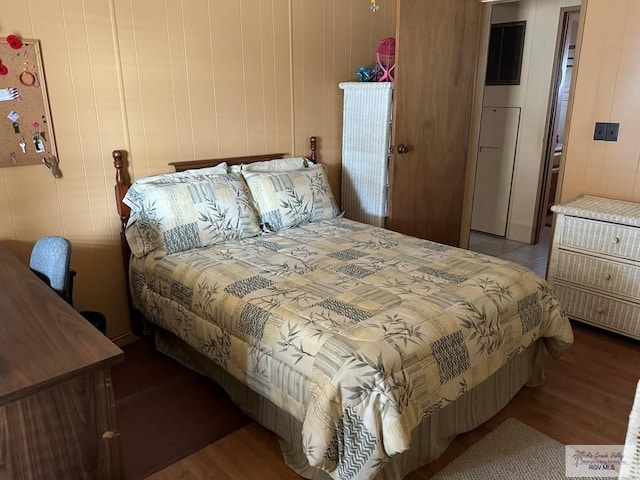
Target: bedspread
x,y
357,331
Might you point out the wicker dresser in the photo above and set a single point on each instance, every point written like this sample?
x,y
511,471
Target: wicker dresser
x,y
594,267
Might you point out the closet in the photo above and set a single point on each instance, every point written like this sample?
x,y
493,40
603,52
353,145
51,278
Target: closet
x,y
437,44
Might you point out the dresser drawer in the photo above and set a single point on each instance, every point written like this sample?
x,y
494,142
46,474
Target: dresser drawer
x,y
598,273
601,237
616,315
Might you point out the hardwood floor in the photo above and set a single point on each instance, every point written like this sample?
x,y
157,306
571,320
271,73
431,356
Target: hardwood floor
x,y
586,399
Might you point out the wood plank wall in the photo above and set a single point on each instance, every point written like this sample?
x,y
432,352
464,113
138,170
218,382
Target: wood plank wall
x,y
606,90
173,80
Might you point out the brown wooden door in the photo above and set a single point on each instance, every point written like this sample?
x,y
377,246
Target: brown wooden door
x,y
437,44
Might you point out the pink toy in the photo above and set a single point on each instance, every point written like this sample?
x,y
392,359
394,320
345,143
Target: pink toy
x,y
386,57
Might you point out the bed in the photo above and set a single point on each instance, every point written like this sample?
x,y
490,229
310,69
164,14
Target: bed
x,y
366,351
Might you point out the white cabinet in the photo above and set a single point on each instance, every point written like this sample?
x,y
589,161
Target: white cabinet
x,y
594,266
494,169
366,144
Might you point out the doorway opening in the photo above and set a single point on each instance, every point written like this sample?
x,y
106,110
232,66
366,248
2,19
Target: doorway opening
x,y
558,114
493,240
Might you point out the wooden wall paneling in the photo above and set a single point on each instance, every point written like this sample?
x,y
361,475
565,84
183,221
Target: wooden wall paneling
x,y
229,76
189,67
331,100
605,93
629,75
283,77
138,160
298,66
153,54
253,46
595,92
270,51
622,162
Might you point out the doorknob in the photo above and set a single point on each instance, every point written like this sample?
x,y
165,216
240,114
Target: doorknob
x,y
402,149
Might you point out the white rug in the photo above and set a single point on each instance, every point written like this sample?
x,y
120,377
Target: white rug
x,y
511,451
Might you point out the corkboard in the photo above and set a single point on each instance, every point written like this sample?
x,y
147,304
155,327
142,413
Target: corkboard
x,y
29,140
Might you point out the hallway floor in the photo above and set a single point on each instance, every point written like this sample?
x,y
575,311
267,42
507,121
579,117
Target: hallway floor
x,y
532,256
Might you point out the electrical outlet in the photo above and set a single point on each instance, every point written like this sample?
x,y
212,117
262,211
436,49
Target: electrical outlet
x,y
612,132
600,131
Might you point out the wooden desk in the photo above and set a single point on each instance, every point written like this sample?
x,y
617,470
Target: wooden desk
x,y
57,412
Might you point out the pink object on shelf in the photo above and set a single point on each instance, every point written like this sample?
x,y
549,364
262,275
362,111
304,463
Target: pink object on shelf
x,y
386,57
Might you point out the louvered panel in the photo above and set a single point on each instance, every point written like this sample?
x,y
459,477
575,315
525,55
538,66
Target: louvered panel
x,y
365,149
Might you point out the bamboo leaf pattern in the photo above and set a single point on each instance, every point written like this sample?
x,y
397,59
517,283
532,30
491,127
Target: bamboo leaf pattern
x,y
296,206
547,299
399,286
260,357
498,294
219,220
485,329
218,348
208,292
287,342
398,332
318,185
391,390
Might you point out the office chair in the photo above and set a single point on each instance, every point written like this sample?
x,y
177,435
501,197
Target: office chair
x,y
50,259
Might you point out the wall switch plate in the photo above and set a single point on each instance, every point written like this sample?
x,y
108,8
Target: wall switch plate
x,y
600,131
612,132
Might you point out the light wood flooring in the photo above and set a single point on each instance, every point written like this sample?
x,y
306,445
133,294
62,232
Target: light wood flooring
x,y
585,400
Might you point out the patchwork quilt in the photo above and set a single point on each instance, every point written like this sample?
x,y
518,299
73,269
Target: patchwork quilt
x,y
357,331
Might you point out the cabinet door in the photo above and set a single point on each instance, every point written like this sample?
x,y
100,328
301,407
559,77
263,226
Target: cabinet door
x,y
494,169
436,58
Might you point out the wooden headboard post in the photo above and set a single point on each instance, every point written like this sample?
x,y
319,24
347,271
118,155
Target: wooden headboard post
x,y
122,186
313,147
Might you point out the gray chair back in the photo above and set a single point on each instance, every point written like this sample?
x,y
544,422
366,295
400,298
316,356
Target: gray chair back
x,y
50,259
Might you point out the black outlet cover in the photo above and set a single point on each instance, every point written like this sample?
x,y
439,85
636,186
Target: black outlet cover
x,y
612,132
600,131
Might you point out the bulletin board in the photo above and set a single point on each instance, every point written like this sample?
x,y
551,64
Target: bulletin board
x,y
26,130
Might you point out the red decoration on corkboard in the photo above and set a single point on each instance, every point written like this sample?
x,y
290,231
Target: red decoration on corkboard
x,y
14,42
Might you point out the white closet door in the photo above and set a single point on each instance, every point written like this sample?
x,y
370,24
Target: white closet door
x,y
494,169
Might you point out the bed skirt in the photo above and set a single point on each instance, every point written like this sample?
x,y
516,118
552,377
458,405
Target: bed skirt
x,y
428,441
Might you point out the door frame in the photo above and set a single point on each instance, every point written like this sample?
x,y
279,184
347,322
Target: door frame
x,y
474,128
549,143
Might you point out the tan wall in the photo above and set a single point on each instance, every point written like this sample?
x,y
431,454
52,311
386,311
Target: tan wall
x,y
172,81
606,90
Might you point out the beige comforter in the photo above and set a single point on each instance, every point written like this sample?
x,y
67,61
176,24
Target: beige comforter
x,y
357,331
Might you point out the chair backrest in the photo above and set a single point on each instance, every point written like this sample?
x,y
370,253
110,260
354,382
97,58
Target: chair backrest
x,y
50,259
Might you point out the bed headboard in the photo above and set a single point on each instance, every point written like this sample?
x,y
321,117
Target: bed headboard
x,y
122,185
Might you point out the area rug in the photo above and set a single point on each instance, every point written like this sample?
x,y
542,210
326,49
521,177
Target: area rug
x,y
165,412
511,451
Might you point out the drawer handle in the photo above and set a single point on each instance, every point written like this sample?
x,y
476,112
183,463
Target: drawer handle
x,y
607,276
615,239
599,309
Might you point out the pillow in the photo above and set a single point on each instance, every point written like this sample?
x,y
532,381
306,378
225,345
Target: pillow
x,y
275,165
137,190
296,197
181,216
